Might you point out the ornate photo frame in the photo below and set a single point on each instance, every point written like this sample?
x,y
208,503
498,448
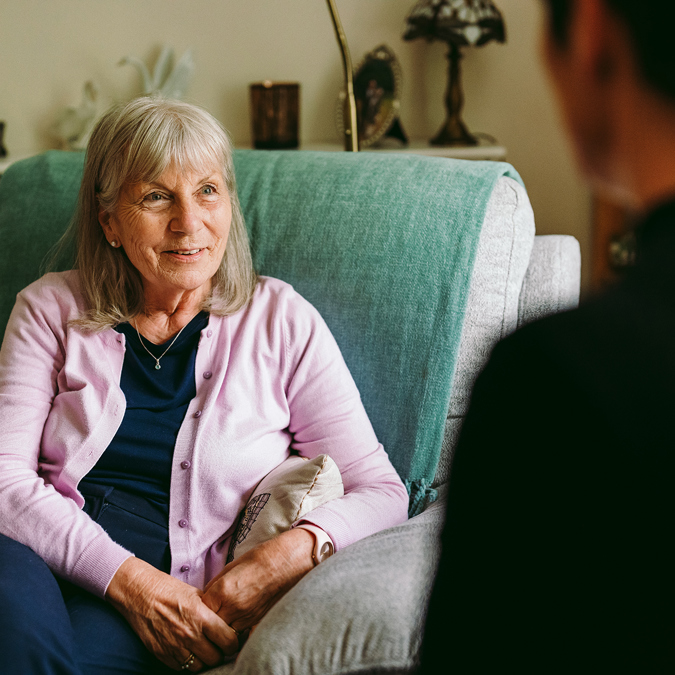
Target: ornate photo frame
x,y
377,85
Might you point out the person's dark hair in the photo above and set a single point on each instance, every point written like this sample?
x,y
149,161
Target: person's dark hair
x,y
650,24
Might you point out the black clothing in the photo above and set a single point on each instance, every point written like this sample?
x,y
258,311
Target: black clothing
x,y
139,457
558,551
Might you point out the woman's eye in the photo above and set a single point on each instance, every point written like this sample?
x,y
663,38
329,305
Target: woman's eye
x,y
207,190
154,197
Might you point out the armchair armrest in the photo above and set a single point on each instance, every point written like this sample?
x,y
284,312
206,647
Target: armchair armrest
x,y
361,611
552,280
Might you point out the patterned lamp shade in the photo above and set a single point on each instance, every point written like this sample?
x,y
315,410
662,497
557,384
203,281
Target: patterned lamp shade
x,y
463,23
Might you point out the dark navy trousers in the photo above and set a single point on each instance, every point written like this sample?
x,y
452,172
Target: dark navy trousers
x,y
48,626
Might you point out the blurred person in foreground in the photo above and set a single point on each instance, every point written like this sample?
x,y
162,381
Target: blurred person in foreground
x,y
557,549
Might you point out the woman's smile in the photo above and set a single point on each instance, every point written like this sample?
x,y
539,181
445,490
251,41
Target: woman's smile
x,y
186,256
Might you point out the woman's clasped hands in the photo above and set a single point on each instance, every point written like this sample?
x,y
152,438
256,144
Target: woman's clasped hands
x,y
189,629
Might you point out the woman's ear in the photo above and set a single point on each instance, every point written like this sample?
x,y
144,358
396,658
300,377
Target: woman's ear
x,y
104,219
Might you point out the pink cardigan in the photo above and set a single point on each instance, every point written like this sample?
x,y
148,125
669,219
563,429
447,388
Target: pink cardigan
x,y
269,378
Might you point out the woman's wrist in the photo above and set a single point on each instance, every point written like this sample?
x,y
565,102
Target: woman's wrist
x,y
300,545
323,544
132,576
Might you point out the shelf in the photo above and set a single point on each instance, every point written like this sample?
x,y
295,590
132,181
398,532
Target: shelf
x,y
496,153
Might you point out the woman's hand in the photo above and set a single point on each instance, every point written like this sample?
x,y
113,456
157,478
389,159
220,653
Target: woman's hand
x,y
170,617
250,585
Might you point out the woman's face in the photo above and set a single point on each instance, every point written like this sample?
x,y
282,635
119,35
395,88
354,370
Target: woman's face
x,y
174,230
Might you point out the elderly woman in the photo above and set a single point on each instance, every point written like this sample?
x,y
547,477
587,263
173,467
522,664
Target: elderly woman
x,y
142,397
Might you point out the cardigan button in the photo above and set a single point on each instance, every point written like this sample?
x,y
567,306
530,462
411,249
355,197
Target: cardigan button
x,y
197,414
185,464
185,568
209,333
207,375
182,522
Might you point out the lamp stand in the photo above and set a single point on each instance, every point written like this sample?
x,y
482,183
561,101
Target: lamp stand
x,y
454,131
351,126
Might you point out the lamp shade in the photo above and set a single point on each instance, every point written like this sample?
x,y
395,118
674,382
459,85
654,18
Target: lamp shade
x,y
460,22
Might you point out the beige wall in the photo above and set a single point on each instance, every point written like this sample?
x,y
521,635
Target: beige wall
x,y
49,48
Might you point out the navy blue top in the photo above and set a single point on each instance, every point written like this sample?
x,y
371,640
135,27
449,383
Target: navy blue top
x,y
139,457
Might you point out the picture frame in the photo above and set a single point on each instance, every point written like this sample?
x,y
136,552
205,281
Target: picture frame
x,y
377,85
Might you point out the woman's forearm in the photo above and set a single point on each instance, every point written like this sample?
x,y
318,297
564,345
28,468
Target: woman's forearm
x,y
250,585
375,499
133,579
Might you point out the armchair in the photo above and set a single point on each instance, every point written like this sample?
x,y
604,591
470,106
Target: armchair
x,y
419,266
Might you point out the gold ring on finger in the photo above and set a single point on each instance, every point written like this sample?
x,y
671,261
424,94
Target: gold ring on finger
x,y
188,662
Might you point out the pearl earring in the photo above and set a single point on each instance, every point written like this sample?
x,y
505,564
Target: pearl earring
x,y
113,243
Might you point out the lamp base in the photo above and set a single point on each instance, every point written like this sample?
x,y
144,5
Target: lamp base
x,y
453,132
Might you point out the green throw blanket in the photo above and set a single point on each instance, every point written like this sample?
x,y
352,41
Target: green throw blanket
x,y
382,245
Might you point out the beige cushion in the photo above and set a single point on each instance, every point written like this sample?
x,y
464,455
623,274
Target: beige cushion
x,y
287,494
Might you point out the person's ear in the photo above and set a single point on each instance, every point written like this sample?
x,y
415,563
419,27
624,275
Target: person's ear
x,y
105,220
590,35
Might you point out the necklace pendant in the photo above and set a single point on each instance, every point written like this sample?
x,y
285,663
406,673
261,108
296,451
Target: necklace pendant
x,y
140,339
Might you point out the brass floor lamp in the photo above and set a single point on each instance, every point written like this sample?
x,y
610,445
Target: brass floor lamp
x,y
351,130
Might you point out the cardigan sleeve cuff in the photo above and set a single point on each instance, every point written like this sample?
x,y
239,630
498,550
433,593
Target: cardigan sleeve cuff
x,y
98,564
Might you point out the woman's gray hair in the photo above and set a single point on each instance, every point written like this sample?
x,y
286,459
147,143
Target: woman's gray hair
x,y
137,142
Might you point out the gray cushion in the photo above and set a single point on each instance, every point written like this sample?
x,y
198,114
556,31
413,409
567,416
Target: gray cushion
x,y
361,611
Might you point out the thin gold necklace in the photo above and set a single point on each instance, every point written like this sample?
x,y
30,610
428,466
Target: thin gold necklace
x,y
157,358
